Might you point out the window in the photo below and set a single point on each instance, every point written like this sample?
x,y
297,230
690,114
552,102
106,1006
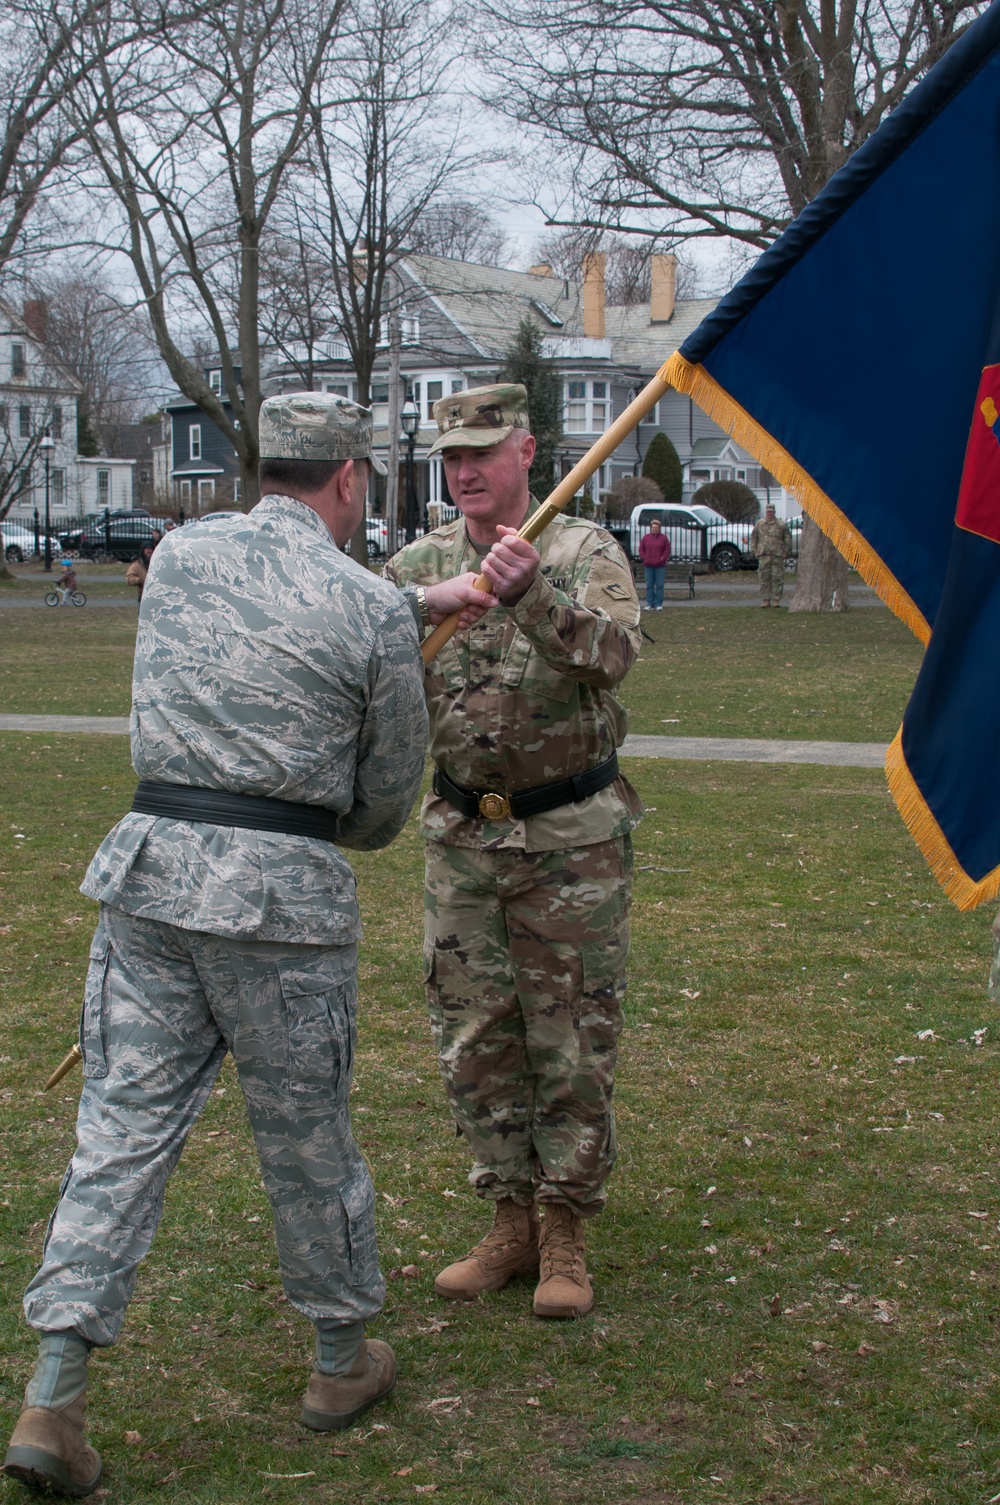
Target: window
x,y
338,388
236,490
185,491
576,407
587,407
206,492
457,385
55,424
103,488
378,401
215,381
409,328
24,421
18,368
194,441
435,391
3,415
24,482
59,488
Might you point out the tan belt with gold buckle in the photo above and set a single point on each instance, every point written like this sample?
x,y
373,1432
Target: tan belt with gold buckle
x,y
494,807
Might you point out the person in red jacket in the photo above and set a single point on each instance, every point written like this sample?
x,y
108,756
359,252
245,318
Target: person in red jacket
x,y
654,551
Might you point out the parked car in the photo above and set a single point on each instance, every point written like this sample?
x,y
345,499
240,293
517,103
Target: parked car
x,y
696,533
377,533
119,536
19,542
70,540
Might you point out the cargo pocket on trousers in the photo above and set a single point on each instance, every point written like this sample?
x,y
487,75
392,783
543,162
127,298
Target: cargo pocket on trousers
x,y
358,1199
320,1042
604,964
94,1018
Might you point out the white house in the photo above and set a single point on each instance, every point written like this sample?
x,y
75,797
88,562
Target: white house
x,y
38,396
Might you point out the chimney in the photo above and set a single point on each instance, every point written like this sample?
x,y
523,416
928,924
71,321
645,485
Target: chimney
x,y
664,294
543,269
593,295
36,317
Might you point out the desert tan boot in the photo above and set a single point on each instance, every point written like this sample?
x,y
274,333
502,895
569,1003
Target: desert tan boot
x,y
564,1286
510,1248
47,1451
334,1402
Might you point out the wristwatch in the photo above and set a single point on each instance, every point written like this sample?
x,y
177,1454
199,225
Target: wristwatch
x,y
425,615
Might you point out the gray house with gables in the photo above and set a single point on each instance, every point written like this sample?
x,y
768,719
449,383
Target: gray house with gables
x,y
457,320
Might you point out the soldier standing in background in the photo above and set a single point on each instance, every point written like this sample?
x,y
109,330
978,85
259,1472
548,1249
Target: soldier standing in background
x,y
529,852
278,715
771,542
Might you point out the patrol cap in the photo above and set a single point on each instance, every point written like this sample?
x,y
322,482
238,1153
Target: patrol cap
x,y
316,426
480,417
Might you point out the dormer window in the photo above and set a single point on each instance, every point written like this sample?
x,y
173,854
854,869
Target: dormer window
x,y
215,381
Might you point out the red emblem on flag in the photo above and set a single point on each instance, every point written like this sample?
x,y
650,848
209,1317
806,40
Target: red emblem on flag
x,y
979,494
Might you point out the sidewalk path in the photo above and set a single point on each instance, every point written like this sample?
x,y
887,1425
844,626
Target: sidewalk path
x,y
701,749
752,750
106,726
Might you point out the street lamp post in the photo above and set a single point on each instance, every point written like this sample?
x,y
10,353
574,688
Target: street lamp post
x,y
47,444
409,420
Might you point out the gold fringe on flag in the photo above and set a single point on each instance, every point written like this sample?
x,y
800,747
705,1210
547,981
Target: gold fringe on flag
x,y
695,382
963,891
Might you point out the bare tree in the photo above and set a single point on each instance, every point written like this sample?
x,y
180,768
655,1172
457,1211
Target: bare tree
x,y
194,145
107,347
683,119
461,230
373,168
687,119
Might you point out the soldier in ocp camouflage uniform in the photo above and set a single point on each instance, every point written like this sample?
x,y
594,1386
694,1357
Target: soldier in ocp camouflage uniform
x,y
278,715
771,542
529,854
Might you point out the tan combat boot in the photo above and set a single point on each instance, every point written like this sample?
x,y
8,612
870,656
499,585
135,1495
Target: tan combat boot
x,y
47,1451
510,1248
564,1288
333,1402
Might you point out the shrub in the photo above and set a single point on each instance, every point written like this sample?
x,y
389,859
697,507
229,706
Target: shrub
x,y
735,501
662,465
629,492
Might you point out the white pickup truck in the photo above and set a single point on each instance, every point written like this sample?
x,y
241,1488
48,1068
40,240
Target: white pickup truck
x,y
696,533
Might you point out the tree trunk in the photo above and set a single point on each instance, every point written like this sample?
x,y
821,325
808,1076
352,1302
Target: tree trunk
x,y
821,579
392,458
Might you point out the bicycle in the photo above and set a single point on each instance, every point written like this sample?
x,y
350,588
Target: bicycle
x,y
60,597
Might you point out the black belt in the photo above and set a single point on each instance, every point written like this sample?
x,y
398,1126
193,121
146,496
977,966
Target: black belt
x,y
474,802
216,807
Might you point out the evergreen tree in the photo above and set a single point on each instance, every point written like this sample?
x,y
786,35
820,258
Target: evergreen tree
x,y
662,465
525,363
87,442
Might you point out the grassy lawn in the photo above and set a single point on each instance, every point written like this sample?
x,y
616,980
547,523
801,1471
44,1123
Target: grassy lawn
x,y
735,671
796,1291
742,672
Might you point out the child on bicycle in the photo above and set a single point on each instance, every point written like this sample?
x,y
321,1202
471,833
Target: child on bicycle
x,y
66,584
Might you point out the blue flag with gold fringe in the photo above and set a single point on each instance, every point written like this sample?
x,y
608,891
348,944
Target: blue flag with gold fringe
x,y
859,361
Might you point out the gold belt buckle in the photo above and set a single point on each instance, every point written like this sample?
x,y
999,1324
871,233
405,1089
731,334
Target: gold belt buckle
x,y
494,807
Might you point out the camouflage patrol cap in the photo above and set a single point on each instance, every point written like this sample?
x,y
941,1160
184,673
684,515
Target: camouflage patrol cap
x,y
316,426
480,417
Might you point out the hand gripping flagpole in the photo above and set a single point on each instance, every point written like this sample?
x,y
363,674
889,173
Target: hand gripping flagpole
x,y
567,488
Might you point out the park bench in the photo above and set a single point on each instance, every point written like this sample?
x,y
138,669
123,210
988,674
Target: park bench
x,y
678,575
